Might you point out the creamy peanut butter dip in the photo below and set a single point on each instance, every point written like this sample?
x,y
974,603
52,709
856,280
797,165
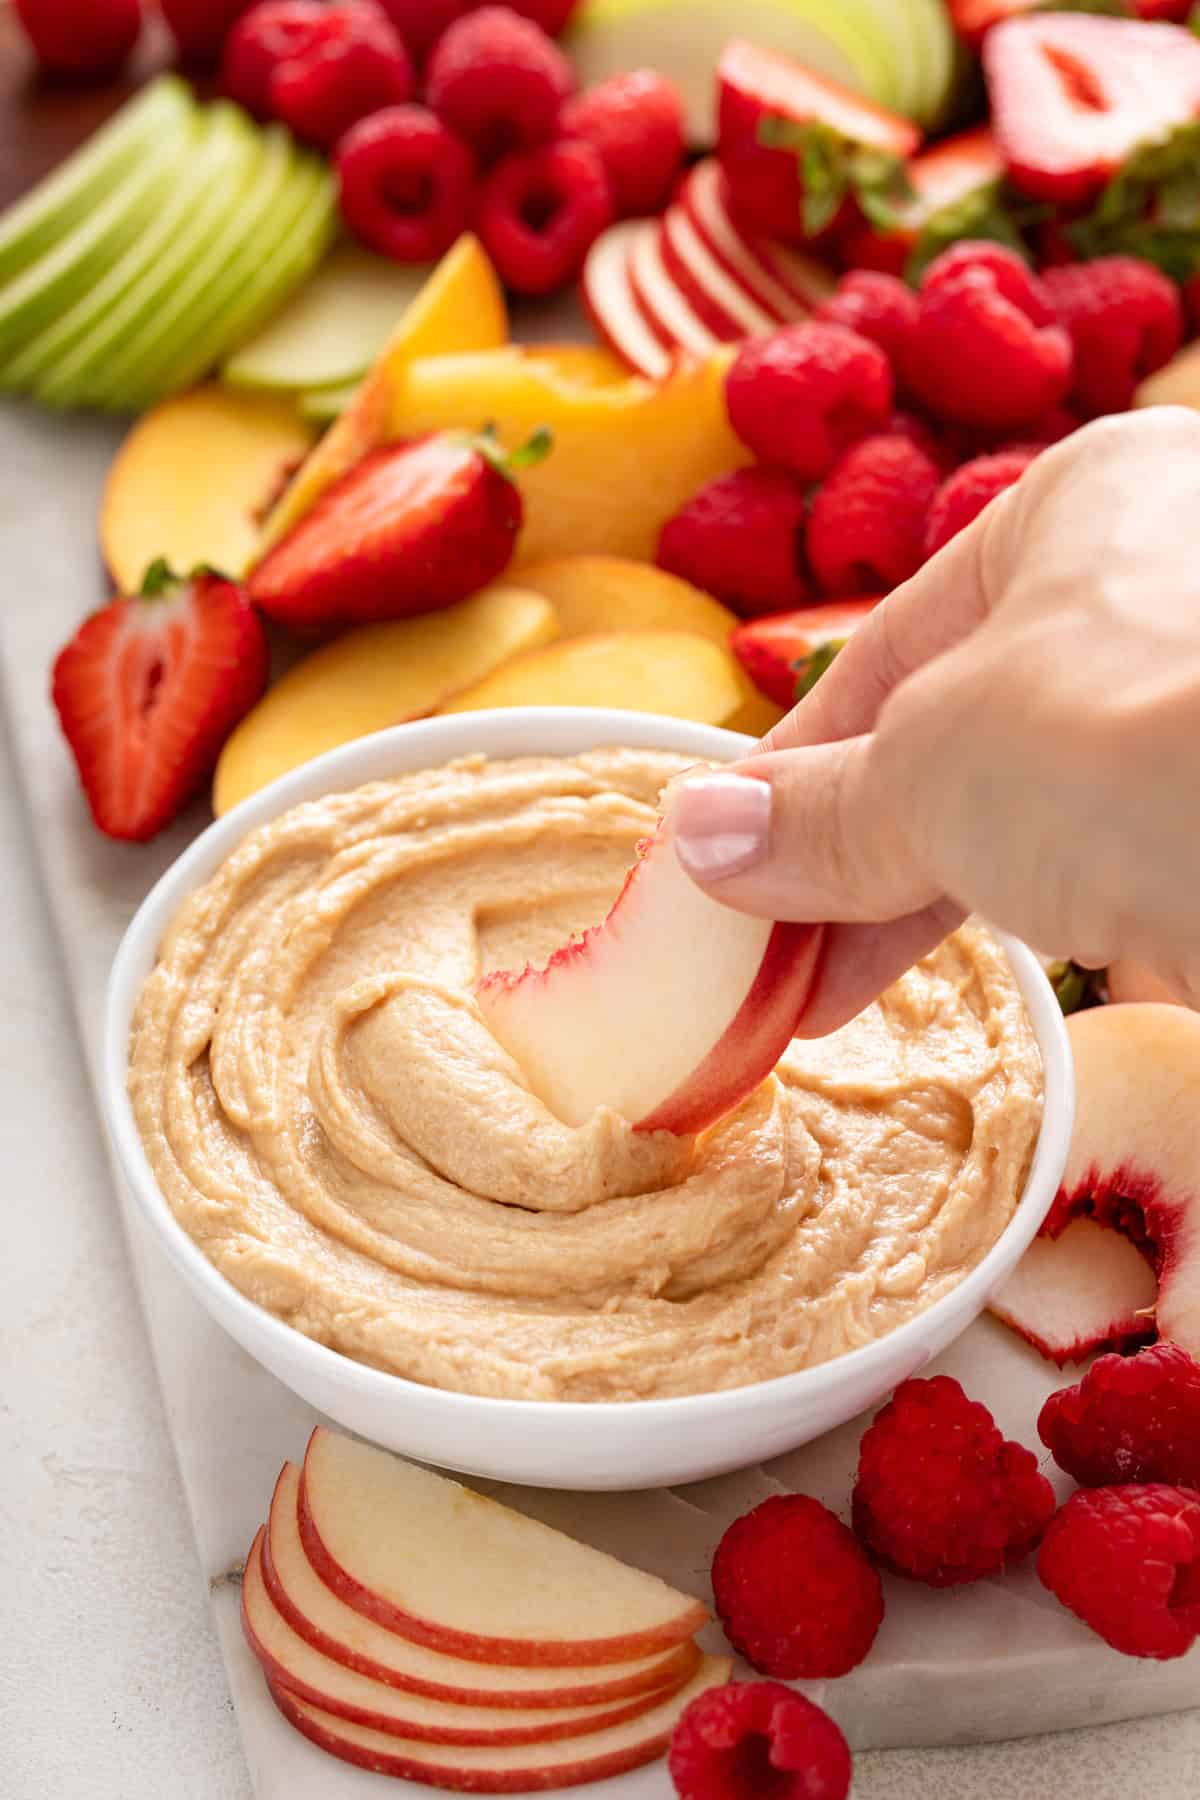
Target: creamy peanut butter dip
x,y
331,1122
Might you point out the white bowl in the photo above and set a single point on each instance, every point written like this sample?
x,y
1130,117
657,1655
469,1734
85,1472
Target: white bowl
x,y
628,1444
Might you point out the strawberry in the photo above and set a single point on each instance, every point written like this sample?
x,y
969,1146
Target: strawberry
x,y
954,181
797,148
410,528
778,652
1072,95
973,19
148,690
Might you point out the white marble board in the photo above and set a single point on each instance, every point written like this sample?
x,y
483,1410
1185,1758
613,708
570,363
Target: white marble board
x,y
994,1661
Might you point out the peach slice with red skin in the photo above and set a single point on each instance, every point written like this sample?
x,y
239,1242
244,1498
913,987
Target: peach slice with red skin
x,y
669,1012
503,1769
291,1662
315,1612
391,1540
1134,1168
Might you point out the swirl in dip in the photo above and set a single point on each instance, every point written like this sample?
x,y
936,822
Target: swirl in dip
x,y
332,1123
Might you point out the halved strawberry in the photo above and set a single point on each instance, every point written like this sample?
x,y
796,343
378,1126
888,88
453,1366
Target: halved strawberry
x,y
973,19
1073,94
957,170
148,690
775,650
796,147
410,528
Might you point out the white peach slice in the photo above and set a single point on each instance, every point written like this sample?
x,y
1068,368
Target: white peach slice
x,y
503,1770
442,1565
609,300
338,1631
669,1012
1134,981
292,1662
1088,1289
1134,1162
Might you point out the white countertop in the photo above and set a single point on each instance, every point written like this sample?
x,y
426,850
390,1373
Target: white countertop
x,y
111,1684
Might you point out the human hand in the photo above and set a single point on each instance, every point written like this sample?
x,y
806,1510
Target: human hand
x,y
1014,732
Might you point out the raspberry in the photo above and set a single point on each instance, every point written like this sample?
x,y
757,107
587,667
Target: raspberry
x,y
81,37
940,1495
966,493
755,1739
1131,1418
634,123
552,15
406,185
802,395
922,433
261,39
876,306
866,531
1125,319
498,81
742,538
1126,1560
422,22
984,350
541,212
795,1592
199,27
352,64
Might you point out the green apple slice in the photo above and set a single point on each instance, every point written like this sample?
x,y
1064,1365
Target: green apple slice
x,y
55,206
841,39
939,60
323,405
273,277
34,298
63,363
330,333
255,215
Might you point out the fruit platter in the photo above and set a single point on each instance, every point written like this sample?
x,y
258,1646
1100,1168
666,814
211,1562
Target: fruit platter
x,y
431,430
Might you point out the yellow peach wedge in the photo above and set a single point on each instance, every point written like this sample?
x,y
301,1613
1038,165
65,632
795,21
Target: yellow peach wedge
x,y
376,676
626,452
678,673
193,479
461,307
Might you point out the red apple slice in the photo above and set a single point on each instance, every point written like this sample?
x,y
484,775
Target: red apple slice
x,y
609,300
1134,1161
446,1567
661,300
1088,1289
291,1662
510,1770
723,304
338,1631
670,1012
702,198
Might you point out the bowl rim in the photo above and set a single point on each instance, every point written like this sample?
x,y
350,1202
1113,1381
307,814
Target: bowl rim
x,y
332,772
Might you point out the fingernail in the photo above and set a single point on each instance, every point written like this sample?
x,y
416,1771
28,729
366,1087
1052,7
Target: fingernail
x,y
721,824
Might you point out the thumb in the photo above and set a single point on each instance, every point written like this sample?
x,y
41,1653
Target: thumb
x,y
812,834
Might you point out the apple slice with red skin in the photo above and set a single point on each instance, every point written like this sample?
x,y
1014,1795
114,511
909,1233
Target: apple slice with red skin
x,y
723,304
1088,1289
315,1612
770,648
664,305
609,300
702,197
503,1770
446,1567
669,1012
291,1662
1133,1167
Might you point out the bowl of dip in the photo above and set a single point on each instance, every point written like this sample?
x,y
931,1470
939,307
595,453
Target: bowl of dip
x,y
358,1185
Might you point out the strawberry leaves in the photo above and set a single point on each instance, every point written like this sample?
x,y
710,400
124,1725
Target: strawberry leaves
x,y
1150,208
834,169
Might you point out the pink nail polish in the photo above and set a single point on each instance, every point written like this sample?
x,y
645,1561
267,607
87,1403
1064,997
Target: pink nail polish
x,y
721,824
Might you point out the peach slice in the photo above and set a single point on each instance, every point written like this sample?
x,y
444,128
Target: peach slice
x,y
293,1663
1088,1289
192,480
338,1631
376,676
627,452
670,1012
614,593
499,1770
1133,981
460,307
446,1567
1133,1167
677,673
